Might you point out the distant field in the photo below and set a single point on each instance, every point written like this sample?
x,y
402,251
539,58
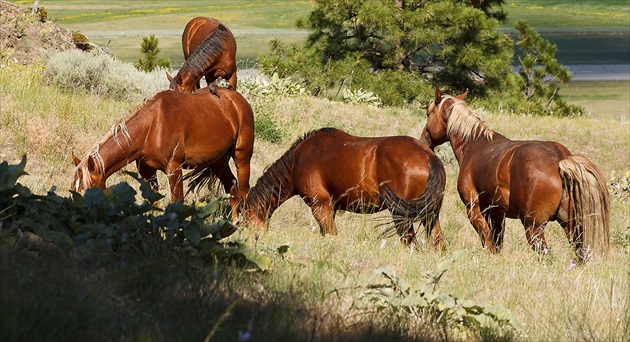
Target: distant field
x,y
609,99
586,31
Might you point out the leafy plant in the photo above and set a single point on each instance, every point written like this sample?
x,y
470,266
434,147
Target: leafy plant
x,y
361,96
424,303
111,221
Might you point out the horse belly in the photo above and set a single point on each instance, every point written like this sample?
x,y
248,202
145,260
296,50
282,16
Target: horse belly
x,y
357,201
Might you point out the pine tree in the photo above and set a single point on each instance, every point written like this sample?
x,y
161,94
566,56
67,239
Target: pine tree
x,y
541,75
150,51
447,43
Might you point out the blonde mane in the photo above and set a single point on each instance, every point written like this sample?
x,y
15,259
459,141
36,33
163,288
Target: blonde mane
x,y
464,122
119,129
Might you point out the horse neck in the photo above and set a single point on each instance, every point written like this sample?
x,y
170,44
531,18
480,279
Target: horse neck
x,y
120,148
186,76
265,201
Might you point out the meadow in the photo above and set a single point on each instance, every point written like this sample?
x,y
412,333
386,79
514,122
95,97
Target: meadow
x,y
313,289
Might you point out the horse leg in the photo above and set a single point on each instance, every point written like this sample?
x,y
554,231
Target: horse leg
x,y
433,229
405,231
222,170
497,227
174,174
480,224
242,158
149,174
324,213
535,233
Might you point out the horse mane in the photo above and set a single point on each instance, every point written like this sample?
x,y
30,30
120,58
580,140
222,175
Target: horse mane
x,y
116,132
463,121
207,52
276,178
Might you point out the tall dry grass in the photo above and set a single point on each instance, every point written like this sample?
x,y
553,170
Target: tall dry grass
x,y
316,282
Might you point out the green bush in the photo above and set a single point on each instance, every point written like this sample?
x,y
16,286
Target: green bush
x,y
99,74
424,303
261,92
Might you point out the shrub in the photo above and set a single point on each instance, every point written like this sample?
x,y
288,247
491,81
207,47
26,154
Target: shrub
x,y
81,41
261,92
99,74
425,304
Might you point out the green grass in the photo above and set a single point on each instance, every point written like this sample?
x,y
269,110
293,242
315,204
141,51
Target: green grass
x,y
569,15
602,100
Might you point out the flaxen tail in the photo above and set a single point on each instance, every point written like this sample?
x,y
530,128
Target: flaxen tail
x,y
589,214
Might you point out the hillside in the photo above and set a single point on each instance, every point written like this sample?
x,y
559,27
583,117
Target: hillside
x,y
24,36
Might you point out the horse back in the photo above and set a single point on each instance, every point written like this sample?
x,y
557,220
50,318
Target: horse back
x,y
197,29
352,169
199,125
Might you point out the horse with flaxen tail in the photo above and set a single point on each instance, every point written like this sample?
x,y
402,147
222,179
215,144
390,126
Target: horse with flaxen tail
x,y
534,181
161,134
332,170
209,50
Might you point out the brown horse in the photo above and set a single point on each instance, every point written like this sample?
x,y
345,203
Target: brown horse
x,y
210,51
535,181
332,170
161,134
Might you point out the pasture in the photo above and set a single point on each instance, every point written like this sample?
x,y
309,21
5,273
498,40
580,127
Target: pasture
x,y
312,290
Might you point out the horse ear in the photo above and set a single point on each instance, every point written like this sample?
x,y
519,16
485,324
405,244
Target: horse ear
x,y
75,159
170,78
462,96
438,95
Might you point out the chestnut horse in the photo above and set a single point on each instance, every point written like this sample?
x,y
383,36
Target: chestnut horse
x,y
332,170
210,51
162,134
534,181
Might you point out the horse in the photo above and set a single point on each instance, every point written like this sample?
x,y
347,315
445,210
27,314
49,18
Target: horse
x,y
534,181
163,134
332,170
209,50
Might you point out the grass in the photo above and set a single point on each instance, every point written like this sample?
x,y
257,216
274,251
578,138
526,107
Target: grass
x,y
311,292
602,100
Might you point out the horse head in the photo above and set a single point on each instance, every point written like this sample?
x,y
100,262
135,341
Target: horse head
x,y
434,132
177,83
87,174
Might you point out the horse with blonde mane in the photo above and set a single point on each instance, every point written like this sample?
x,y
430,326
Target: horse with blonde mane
x,y
171,131
534,181
209,50
332,170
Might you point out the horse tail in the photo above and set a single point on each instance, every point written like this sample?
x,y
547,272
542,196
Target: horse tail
x,y
425,208
589,206
199,177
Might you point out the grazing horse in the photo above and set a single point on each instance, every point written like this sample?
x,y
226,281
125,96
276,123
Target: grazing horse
x,y
333,170
210,51
162,134
534,181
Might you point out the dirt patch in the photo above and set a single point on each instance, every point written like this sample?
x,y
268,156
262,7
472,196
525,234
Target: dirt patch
x,y
24,36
